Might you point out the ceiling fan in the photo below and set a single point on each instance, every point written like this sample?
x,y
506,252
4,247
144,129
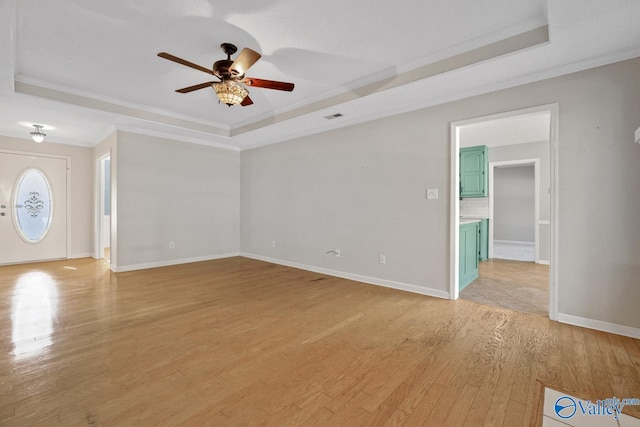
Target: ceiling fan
x,y
231,73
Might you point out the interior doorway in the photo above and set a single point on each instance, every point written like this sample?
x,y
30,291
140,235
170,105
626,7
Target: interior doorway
x,y
513,233
104,215
519,272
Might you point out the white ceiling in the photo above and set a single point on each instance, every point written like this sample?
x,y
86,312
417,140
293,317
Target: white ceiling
x,y
87,67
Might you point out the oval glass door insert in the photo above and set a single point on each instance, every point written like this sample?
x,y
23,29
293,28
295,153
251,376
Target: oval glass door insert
x,y
33,206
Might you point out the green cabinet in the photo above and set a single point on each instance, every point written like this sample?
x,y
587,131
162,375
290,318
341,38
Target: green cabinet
x,y
474,165
468,259
483,250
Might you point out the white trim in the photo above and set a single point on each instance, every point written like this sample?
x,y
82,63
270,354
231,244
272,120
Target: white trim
x,y
82,255
46,84
515,243
455,196
356,277
469,47
454,242
515,250
34,153
536,205
32,261
599,325
69,191
156,264
543,262
191,140
99,206
555,212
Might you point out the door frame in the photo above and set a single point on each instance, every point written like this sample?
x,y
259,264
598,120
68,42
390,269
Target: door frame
x,y
100,175
67,243
553,109
536,205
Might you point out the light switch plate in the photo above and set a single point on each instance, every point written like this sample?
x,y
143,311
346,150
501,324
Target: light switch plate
x,y
637,136
432,193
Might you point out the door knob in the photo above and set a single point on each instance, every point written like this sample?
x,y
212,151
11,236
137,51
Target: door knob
x,y
2,214
3,206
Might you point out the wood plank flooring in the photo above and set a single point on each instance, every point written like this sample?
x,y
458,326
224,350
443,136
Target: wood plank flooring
x,y
243,342
516,285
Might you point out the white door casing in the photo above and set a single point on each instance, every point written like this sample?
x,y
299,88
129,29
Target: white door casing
x,y
554,209
15,246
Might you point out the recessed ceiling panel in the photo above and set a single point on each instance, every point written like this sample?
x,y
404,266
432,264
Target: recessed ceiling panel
x,y
109,49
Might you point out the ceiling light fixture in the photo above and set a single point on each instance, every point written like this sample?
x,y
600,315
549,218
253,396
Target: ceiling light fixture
x,y
230,92
38,135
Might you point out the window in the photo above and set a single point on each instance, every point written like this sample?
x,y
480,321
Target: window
x,y
33,206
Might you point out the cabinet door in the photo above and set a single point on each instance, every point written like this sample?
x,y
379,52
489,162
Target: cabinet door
x,y
473,172
468,260
483,252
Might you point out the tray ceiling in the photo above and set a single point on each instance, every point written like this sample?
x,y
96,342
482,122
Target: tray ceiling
x,y
85,67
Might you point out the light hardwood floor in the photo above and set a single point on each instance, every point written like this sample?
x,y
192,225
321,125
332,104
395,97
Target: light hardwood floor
x,y
243,342
517,285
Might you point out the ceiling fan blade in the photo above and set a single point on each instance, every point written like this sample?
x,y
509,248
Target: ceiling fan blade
x,y
173,58
268,84
195,87
246,101
244,61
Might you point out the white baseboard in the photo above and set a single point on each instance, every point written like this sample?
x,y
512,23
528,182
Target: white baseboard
x,y
514,250
599,325
351,276
544,261
82,255
132,267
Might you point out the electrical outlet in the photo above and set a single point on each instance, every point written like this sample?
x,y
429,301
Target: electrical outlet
x,y
383,259
337,253
273,243
432,193
172,245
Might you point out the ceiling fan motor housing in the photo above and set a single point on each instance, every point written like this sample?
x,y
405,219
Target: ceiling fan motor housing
x,y
221,69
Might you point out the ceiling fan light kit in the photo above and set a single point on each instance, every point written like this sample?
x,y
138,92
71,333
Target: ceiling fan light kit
x,y
231,73
230,92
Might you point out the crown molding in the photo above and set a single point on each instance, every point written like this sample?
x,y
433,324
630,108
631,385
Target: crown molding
x,y
530,33
44,89
481,90
515,43
168,135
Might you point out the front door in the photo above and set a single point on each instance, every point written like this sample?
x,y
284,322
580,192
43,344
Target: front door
x,y
33,208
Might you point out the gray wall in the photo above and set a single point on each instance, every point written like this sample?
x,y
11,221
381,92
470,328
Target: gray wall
x,y
173,191
533,150
362,189
541,151
514,204
80,189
